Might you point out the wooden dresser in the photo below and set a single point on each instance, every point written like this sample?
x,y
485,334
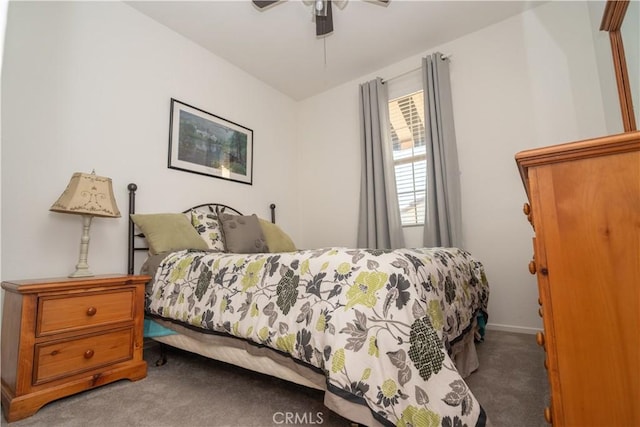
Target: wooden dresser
x,y
584,205
62,336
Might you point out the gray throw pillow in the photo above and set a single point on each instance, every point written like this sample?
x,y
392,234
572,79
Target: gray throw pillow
x,y
243,234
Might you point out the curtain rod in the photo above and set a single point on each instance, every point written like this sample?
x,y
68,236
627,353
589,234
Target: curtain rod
x,y
443,56
401,75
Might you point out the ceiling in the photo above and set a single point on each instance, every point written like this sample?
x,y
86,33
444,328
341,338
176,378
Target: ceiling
x,y
278,44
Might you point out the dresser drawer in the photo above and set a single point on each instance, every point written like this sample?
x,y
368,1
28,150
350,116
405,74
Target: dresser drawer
x,y
64,358
68,313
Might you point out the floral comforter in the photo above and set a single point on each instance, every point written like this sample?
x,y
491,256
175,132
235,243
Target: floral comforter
x,y
377,323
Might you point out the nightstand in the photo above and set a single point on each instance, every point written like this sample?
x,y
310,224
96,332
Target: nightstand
x,y
65,335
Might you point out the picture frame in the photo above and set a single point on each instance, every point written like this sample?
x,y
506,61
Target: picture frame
x,y
206,144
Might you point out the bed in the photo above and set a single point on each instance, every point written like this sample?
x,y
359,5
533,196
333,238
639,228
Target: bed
x,y
387,334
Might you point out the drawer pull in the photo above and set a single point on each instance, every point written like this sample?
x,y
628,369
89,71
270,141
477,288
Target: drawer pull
x,y
540,339
88,354
527,211
547,415
91,311
540,312
532,267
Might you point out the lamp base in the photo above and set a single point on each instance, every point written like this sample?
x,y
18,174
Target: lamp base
x,y
82,272
82,267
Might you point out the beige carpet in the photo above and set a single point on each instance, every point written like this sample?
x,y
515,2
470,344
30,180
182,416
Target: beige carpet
x,y
193,391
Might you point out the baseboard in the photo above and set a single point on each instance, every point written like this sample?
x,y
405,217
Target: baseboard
x,y
511,328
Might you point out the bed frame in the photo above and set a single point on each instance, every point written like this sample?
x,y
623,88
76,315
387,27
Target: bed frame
x,y
136,240
262,359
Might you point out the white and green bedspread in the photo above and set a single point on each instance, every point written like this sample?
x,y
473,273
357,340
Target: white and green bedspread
x,y
376,323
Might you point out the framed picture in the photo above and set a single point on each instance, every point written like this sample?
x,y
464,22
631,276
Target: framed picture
x,y
203,143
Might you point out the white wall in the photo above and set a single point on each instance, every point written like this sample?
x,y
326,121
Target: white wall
x,y
526,82
606,73
4,5
87,85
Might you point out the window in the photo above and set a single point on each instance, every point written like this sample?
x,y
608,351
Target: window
x,y
406,116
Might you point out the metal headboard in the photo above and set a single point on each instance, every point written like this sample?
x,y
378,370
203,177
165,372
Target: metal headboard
x,y
139,237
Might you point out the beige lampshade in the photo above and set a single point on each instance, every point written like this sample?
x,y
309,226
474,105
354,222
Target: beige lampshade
x,y
88,194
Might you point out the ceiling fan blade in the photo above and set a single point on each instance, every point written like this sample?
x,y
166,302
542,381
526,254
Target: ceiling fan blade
x,y
324,24
264,3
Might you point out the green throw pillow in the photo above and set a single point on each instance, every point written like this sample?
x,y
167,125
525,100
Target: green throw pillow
x,y
277,240
168,232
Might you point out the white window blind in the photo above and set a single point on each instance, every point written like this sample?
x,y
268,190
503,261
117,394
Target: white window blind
x,y
406,116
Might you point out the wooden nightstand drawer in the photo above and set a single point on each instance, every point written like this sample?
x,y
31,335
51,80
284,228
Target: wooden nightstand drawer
x,y
61,336
67,313
62,359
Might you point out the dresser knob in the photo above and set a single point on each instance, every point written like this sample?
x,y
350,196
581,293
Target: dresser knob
x,y
91,311
88,354
540,339
532,267
540,311
527,211
547,415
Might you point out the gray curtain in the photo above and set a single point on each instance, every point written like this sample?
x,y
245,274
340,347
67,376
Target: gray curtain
x,y
379,225
443,219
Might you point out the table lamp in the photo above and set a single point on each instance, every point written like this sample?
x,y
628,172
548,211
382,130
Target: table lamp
x,y
88,195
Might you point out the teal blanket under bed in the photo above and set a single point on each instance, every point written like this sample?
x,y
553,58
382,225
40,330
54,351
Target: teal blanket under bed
x,y
153,329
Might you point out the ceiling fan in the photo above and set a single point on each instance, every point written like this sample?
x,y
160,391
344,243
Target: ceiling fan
x,y
321,12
